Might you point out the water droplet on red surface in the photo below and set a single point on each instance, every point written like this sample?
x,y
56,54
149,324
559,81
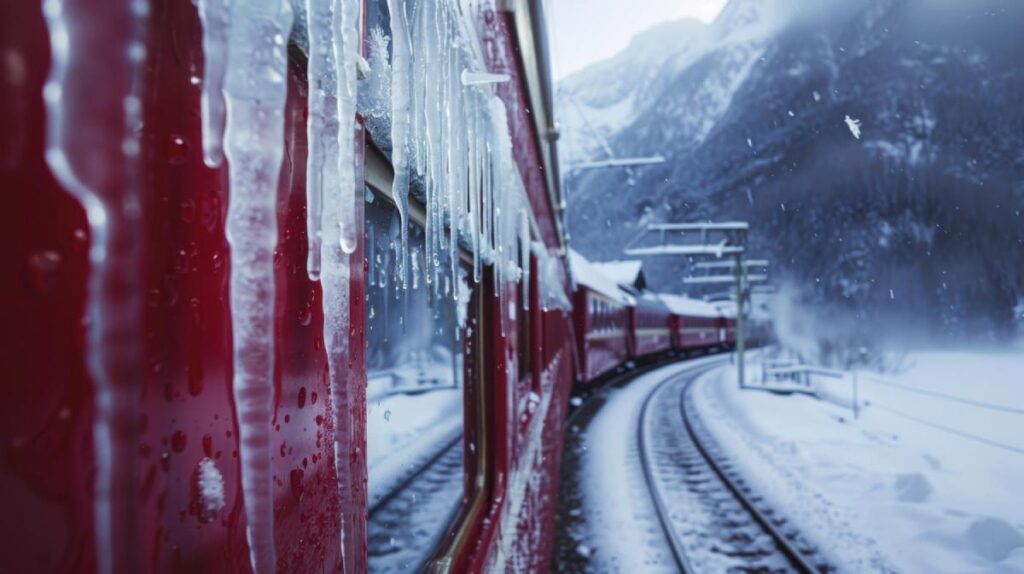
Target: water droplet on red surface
x,y
81,240
178,441
195,379
296,480
177,150
42,270
302,397
208,445
305,316
188,211
313,398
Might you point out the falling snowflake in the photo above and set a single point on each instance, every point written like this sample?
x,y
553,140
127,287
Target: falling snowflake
x,y
854,126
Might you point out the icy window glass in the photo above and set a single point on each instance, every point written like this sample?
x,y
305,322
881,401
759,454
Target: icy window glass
x,y
415,421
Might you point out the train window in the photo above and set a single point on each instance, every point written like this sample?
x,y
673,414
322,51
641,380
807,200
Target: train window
x,y
415,342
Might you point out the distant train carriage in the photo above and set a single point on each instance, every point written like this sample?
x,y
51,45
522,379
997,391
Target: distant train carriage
x,y
601,316
651,326
695,324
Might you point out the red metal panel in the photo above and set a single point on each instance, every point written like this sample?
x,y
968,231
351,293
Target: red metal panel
x,y
604,341
651,329
46,412
502,56
696,332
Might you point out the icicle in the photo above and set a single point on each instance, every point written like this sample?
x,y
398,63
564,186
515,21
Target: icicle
x,y
322,126
483,78
336,281
476,195
93,148
524,251
256,94
400,112
216,19
346,54
454,112
427,86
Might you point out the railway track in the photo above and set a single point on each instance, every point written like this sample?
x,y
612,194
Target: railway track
x,y
399,536
712,519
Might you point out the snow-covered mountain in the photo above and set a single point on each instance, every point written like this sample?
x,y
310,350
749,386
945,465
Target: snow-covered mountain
x,y
604,99
921,215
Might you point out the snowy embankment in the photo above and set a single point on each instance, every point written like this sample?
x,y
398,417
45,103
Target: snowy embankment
x,y
927,479
405,431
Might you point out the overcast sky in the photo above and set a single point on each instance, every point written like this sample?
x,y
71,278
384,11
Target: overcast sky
x,y
587,31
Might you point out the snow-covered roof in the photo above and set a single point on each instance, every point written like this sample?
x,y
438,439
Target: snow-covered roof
x,y
727,308
689,307
622,272
586,273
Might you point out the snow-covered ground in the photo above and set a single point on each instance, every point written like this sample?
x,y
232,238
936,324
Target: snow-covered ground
x,y
404,430
928,479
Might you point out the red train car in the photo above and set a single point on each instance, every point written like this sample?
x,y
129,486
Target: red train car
x,y
601,317
696,325
651,326
187,387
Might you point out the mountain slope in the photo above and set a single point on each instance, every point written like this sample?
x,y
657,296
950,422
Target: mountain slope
x,y
920,217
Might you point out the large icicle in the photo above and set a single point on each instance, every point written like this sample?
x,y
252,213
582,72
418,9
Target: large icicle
x,y
401,93
348,33
256,93
93,148
339,225
322,126
216,18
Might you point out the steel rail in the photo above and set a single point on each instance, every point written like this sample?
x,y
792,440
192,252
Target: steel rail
x,y
674,540
412,478
785,545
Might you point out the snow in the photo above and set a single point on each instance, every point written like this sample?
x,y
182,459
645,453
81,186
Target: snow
x,y
586,273
718,250
687,307
551,280
401,429
211,489
926,479
622,272
854,126
525,500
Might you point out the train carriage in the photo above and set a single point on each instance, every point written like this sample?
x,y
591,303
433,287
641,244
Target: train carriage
x,y
695,324
651,326
601,318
